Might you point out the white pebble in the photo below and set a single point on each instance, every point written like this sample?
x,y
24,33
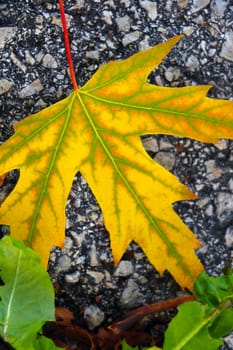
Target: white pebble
x,y
93,316
72,277
49,61
5,85
199,5
31,89
229,237
224,205
107,17
97,276
93,55
131,296
227,47
192,63
123,23
124,268
130,38
218,7
150,7
6,33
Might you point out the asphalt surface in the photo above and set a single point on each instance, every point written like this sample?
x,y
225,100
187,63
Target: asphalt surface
x,y
34,75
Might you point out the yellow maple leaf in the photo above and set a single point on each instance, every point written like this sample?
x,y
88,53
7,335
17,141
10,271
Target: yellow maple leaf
x,y
96,130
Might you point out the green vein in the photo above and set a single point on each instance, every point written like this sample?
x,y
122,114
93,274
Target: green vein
x,y
152,221
186,339
12,294
26,139
43,191
198,116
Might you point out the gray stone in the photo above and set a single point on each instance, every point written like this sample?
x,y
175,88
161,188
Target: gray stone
x,y
31,89
172,73
218,7
93,316
6,33
67,245
63,264
188,30
18,63
164,145
182,3
144,44
142,279
124,268
29,59
39,56
230,185
202,202
5,85
193,63
199,187
79,4
199,5
212,52
209,210
150,7
227,46
224,205
212,171
97,276
229,237
41,104
107,17
130,38
150,144
168,5
123,23
229,341
72,277
131,296
221,144
166,159
93,54
49,61
93,256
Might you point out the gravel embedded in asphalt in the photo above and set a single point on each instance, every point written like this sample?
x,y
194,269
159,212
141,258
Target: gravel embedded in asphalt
x,y
34,75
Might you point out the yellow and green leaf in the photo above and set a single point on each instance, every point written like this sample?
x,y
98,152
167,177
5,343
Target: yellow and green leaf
x,y
96,130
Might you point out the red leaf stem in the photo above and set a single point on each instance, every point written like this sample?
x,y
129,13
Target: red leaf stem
x,y
67,45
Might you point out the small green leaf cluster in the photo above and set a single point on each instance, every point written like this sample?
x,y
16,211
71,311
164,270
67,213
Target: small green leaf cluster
x,y
201,324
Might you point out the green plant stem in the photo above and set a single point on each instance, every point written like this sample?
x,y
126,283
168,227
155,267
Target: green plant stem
x,y
67,45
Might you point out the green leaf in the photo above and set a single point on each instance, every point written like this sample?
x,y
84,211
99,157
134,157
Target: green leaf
x,y
213,290
43,343
126,346
223,324
27,296
189,329
200,324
